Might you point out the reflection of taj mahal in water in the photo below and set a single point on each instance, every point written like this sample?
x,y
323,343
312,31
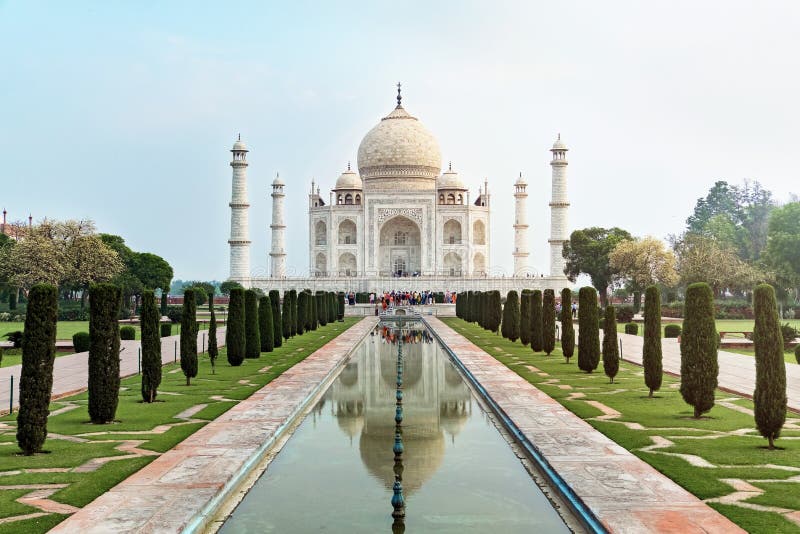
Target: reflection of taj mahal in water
x,y
398,221
436,405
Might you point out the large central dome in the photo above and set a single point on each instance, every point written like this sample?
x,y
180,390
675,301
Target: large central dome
x,y
399,153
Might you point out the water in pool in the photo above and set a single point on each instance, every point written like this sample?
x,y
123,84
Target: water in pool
x,y
336,473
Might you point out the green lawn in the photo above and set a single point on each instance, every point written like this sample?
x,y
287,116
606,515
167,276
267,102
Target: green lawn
x,y
64,329
134,416
723,325
788,355
725,438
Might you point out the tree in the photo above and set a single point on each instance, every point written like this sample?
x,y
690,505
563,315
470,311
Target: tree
x,y
189,335
537,334
588,330
277,322
234,332
699,344
511,316
293,312
588,250
286,314
769,398
302,310
36,380
164,302
314,313
337,306
200,295
213,351
266,330
525,317
783,246
226,286
643,262
322,309
494,311
610,347
701,259
33,260
567,330
151,347
651,351
251,328
548,321
104,300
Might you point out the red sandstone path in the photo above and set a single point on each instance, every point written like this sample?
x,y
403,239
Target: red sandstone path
x,y
71,373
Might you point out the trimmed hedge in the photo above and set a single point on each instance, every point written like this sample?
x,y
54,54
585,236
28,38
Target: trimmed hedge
x,y
81,341
610,346
511,317
286,315
188,340
265,328
672,330
151,347
277,322
166,329
588,330
252,337
103,384
127,333
567,329
213,350
525,317
632,329
234,332
548,321
699,344
624,314
494,311
651,350
537,340
769,398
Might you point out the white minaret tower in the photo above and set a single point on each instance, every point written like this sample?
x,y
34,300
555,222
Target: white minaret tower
x,y
559,205
240,236
278,252
520,226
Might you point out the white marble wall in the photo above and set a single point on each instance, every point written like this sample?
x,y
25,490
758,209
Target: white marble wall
x,y
559,207
240,237
278,226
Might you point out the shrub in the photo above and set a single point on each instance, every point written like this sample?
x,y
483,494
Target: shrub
x,y
525,317
234,332
175,314
302,310
127,333
797,353
313,313
213,350
80,341
672,330
632,329
163,301
548,321
36,380
494,312
277,322
252,337
769,398
293,309
286,314
588,330
537,339
337,306
699,343
265,329
104,302
788,333
610,346
651,350
189,336
151,347
16,337
166,329
625,314
567,330
511,317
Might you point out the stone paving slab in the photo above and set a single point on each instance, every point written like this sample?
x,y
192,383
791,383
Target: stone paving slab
x,y
172,491
625,493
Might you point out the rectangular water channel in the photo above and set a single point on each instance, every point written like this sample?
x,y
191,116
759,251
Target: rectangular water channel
x,y
338,470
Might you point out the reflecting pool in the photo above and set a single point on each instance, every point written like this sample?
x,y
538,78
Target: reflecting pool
x,y
424,450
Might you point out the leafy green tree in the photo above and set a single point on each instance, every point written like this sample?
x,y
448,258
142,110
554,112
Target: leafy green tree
x,y
769,398
251,328
548,321
525,317
588,330
651,351
265,327
234,332
104,301
151,347
188,338
567,330
277,321
213,350
226,286
511,317
36,380
699,344
610,346
537,334
587,252
782,253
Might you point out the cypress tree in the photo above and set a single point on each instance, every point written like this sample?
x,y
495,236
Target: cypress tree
x,y
286,314
588,330
769,398
548,321
322,308
164,303
525,317
459,303
314,313
36,380
301,313
537,334
651,350
337,306
699,344
213,350
567,330
468,306
495,311
252,339
104,303
294,323
610,347
234,333
265,329
512,315
189,335
12,298
482,309
151,347
277,322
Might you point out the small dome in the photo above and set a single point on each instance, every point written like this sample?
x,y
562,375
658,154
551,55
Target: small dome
x,y
450,180
520,180
277,180
349,179
559,144
239,146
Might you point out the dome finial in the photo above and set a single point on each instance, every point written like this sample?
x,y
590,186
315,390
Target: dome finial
x,y
449,165
239,138
399,97
348,165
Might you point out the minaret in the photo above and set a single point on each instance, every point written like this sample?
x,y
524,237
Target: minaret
x,y
278,252
559,205
240,235
520,226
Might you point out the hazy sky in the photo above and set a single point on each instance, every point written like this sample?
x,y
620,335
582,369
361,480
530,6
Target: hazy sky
x,y
125,112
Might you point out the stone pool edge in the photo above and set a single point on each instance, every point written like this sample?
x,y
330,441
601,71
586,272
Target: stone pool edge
x,y
623,492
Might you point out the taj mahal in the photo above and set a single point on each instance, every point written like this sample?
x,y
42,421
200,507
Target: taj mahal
x,y
400,220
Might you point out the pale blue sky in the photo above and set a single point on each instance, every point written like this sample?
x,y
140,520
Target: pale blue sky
x,y
125,112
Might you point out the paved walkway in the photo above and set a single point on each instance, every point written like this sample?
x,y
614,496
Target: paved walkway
x,y
70,373
180,487
624,492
